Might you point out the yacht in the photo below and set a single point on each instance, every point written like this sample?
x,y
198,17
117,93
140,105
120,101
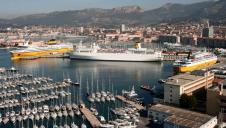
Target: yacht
x,y
130,94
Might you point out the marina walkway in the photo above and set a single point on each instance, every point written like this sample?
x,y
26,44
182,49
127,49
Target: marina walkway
x,y
123,99
90,117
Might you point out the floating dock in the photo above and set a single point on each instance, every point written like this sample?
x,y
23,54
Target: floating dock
x,y
123,99
95,123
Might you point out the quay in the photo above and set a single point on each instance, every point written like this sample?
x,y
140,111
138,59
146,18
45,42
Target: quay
x,y
95,123
125,100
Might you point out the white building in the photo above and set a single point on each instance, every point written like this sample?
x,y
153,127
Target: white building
x,y
123,28
81,29
186,83
180,118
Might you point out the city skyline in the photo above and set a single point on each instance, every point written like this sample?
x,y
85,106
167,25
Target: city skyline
x,y
11,9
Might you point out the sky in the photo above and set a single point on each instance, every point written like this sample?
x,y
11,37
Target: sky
x,y
13,8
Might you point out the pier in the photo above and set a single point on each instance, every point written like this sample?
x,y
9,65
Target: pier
x,y
125,100
89,116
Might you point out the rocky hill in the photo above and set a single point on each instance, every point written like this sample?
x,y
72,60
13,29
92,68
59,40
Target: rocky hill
x,y
213,10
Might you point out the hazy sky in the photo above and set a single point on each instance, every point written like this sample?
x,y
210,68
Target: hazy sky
x,y
13,8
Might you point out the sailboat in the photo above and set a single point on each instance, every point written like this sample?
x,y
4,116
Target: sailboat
x,y
106,125
130,94
73,125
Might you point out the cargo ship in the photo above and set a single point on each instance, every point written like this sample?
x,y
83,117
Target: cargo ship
x,y
47,49
137,53
196,61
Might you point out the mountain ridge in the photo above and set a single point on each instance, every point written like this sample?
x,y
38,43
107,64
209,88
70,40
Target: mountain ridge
x,y
213,10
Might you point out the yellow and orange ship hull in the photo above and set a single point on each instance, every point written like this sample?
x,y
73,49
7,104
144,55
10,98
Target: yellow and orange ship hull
x,y
37,54
193,67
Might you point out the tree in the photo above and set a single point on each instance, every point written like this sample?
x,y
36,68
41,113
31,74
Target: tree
x,y
187,101
193,101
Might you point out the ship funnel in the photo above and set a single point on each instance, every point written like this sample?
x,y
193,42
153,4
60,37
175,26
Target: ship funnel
x,y
138,45
26,42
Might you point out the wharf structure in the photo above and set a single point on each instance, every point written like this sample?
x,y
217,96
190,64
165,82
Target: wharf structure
x,y
180,118
186,83
125,100
25,98
89,116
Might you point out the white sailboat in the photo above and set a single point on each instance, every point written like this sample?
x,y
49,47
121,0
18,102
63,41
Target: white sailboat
x,y
131,93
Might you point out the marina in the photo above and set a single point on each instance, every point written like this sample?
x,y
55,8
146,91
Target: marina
x,y
62,91
28,99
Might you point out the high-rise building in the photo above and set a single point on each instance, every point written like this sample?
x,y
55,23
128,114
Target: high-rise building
x,y
123,27
207,32
169,39
81,29
211,42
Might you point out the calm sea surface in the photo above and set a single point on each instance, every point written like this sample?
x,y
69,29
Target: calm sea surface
x,y
113,76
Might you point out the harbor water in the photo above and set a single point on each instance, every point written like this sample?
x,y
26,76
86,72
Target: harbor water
x,y
96,76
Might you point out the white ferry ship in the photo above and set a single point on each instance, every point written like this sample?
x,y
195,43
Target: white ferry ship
x,y
137,53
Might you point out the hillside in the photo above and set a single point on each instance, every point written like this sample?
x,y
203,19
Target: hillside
x,y
213,10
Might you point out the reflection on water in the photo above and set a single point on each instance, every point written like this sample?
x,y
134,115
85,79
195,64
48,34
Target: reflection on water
x,y
120,75
123,75
56,68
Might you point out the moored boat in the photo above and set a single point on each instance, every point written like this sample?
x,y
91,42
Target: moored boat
x,y
33,52
148,88
196,61
129,94
109,54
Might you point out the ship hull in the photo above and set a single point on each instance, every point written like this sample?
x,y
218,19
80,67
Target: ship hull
x,y
36,54
115,57
197,66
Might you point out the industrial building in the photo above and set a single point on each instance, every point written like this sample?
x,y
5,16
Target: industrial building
x,y
208,32
186,40
180,118
186,83
169,39
211,42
